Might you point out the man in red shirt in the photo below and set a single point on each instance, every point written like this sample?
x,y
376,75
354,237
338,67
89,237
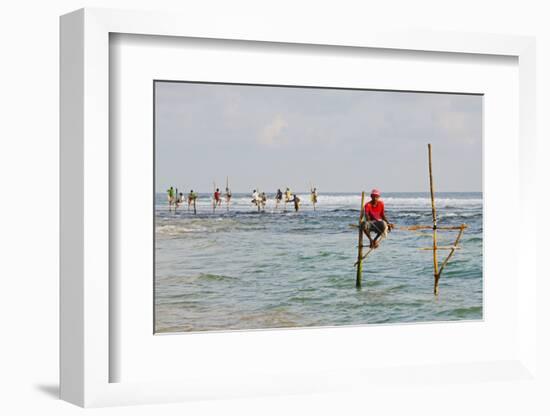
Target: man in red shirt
x,y
217,197
375,219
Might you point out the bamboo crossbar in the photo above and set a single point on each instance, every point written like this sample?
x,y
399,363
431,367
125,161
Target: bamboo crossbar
x,y
431,227
441,248
423,227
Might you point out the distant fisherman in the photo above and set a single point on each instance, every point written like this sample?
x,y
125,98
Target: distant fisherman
x,y
179,200
255,197
375,219
314,195
191,198
296,201
314,198
217,197
227,195
263,199
278,198
171,200
288,194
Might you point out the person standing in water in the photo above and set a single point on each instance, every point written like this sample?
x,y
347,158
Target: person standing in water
x,y
171,200
375,220
263,199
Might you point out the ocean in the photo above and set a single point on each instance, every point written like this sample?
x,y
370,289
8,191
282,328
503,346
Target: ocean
x,y
241,269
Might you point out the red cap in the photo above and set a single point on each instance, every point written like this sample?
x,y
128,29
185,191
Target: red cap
x,y
375,192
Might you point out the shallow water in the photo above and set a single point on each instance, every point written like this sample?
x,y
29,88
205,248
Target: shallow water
x,y
241,269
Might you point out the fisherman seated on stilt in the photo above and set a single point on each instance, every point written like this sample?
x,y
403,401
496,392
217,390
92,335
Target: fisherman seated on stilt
x,y
179,200
279,196
296,201
288,194
255,198
191,197
217,197
171,197
375,220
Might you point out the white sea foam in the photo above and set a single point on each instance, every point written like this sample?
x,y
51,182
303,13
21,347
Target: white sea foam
x,y
342,201
175,230
354,201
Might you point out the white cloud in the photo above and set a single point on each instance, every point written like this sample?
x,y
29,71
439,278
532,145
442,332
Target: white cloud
x,y
272,133
459,126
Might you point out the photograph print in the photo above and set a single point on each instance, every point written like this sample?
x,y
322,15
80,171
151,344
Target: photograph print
x,y
296,207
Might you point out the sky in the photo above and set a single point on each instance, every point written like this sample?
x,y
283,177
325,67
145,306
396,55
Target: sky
x,y
337,140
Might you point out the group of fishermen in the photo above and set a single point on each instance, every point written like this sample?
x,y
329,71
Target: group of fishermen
x,y
176,199
260,199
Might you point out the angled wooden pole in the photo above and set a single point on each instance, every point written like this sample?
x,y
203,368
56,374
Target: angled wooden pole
x,y
366,255
454,247
434,219
360,244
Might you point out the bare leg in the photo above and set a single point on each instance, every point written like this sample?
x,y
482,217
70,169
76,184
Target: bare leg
x,y
367,233
375,241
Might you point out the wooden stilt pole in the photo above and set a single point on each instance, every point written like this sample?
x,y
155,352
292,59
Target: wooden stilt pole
x,y
434,219
195,205
312,195
214,199
360,244
227,200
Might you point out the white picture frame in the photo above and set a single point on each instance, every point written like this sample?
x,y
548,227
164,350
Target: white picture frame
x,y
85,218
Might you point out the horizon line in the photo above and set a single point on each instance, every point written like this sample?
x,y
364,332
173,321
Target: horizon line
x,y
328,192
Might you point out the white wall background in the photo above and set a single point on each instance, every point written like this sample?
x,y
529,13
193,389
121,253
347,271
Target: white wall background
x,y
29,202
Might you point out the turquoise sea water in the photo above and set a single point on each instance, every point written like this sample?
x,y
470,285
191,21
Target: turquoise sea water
x,y
241,269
